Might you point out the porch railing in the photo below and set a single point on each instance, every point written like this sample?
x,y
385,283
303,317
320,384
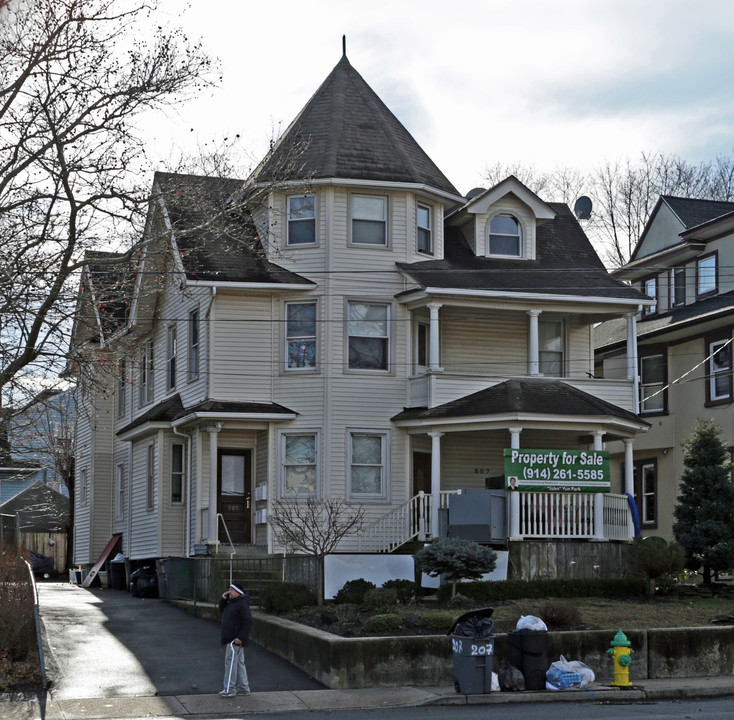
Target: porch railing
x,y
601,516
410,521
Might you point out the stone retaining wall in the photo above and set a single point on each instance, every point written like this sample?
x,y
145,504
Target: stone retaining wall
x,y
427,660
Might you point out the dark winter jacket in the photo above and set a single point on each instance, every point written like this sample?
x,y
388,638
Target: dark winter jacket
x,y
236,619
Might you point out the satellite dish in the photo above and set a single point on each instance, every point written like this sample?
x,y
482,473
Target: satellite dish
x,y
582,208
474,192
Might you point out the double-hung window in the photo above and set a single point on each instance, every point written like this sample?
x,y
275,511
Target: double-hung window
x,y
299,464
719,382
120,491
369,220
706,275
177,473
645,487
193,370
505,236
172,347
302,220
550,347
423,230
146,373
300,336
368,462
122,387
650,288
150,477
678,286
653,370
369,336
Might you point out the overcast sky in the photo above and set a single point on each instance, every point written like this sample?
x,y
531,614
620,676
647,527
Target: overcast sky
x,y
568,82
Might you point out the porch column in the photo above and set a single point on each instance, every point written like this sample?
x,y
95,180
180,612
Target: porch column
x,y
514,495
435,480
632,372
213,530
598,497
629,479
433,360
533,352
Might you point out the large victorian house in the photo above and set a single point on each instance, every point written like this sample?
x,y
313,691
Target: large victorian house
x,y
346,323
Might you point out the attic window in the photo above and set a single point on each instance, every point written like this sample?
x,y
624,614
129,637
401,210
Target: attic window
x,y
504,236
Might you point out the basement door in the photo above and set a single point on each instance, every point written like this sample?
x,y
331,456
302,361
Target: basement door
x,y
234,494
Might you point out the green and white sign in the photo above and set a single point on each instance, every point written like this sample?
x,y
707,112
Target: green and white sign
x,y
557,470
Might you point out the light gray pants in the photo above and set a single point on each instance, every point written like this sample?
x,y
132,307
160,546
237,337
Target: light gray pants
x,y
235,672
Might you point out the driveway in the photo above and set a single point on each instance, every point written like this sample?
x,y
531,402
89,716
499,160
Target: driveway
x,y
106,643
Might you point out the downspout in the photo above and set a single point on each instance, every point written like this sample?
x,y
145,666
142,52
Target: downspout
x,y
187,483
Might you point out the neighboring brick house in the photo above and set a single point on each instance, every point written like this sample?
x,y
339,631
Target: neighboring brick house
x,y
683,261
344,323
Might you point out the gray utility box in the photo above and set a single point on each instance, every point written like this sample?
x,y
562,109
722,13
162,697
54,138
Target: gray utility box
x,y
478,515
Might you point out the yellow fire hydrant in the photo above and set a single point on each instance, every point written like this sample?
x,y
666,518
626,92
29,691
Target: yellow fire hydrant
x,y
621,651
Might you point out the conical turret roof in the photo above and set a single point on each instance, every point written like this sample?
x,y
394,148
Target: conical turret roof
x,y
345,131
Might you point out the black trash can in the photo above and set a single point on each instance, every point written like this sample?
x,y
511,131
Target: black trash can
x,y
117,575
472,643
529,653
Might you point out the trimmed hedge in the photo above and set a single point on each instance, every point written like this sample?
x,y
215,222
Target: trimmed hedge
x,y
283,597
488,591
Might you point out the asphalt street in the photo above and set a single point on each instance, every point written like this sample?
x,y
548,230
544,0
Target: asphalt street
x,y
106,643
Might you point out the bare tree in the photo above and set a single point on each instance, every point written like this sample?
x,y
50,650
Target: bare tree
x,y
74,77
315,527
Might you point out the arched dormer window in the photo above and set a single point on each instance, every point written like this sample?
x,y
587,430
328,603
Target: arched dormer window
x,y
505,236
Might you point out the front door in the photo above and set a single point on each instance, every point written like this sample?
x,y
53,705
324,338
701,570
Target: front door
x,y
234,494
421,472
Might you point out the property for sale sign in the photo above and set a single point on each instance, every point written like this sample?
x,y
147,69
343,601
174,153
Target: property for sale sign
x,y
557,470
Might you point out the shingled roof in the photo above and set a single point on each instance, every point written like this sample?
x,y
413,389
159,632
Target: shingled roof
x,y
345,131
692,211
214,233
523,396
565,264
111,280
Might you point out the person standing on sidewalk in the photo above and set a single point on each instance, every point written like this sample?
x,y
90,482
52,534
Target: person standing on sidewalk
x,y
236,624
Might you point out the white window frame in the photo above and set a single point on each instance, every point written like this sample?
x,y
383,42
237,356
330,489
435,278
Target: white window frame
x,y
715,372
316,464
288,339
384,493
388,336
179,475
294,220
84,487
122,387
561,353
120,491
172,351
354,217
147,374
519,236
428,229
194,345
650,388
150,477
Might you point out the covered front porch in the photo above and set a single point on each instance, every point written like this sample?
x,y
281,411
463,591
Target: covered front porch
x,y
459,447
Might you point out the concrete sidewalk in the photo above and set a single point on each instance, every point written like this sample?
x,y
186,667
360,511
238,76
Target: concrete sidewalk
x,y
193,706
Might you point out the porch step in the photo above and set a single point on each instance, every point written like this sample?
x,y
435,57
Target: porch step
x,y
241,551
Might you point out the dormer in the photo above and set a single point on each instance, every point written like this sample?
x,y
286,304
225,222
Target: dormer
x,y
501,222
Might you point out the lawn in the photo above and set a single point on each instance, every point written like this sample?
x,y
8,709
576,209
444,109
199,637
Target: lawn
x,y
593,614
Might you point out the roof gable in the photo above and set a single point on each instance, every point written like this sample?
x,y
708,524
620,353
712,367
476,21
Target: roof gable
x,y
481,203
345,131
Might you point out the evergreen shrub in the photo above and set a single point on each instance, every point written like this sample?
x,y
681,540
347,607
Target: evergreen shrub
x,y
283,597
386,622
353,591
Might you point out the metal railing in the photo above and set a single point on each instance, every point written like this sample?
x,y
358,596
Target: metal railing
x,y
202,580
220,517
410,521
